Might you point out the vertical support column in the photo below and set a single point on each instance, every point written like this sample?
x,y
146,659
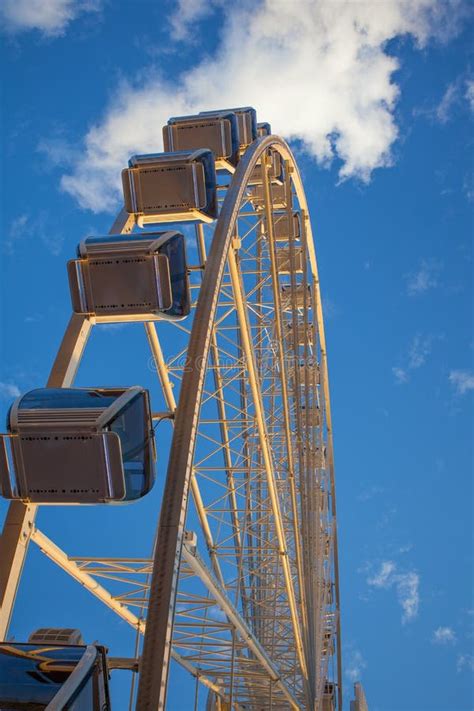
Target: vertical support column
x,y
20,518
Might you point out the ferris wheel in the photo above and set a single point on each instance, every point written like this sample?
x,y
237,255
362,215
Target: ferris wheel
x,y
241,589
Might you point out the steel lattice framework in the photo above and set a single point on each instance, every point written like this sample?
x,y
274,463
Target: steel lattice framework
x,y
242,589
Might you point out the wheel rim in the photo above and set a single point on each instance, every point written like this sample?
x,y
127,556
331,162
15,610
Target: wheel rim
x,y
283,509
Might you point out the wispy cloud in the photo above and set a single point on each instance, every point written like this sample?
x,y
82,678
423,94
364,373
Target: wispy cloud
x,y
186,14
354,665
8,390
443,635
406,548
369,493
418,351
381,579
330,58
23,228
406,584
50,17
462,381
58,151
15,232
457,94
111,327
401,375
426,277
468,184
450,98
465,661
34,318
469,95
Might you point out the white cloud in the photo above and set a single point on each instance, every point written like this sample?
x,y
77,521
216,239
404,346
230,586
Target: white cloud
x,y
406,585
462,381
401,375
15,232
384,577
368,493
469,95
468,183
50,17
318,71
418,351
187,13
23,227
465,661
58,151
406,548
408,596
425,278
457,93
355,664
443,635
8,390
450,98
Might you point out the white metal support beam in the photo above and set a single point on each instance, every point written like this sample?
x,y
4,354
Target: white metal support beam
x,y
163,375
54,553
60,558
197,565
20,518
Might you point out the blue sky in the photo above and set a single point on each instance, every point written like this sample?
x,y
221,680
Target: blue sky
x,y
377,101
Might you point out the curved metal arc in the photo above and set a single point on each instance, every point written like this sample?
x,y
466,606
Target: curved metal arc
x,y
155,659
284,383
157,645
325,384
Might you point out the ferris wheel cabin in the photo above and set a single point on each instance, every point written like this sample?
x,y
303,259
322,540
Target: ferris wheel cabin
x,y
219,132
171,187
78,446
286,227
247,123
137,277
263,129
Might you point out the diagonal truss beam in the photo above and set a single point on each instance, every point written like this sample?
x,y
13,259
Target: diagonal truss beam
x,y
163,375
195,563
20,518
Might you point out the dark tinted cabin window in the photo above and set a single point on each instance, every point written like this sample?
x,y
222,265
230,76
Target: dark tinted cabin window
x,y
132,428
207,160
31,675
65,397
85,699
175,250
234,132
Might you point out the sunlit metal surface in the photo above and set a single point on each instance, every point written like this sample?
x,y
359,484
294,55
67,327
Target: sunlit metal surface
x,y
242,590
